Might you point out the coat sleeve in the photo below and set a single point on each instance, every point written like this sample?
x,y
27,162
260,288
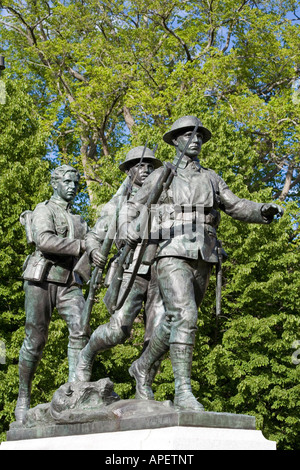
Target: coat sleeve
x,y
46,238
109,214
239,209
94,238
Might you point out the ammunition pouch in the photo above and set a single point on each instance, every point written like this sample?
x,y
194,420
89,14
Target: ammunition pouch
x,y
35,268
83,267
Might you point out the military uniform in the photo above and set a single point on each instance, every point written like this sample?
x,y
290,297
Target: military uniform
x,y
187,248
144,292
188,216
50,280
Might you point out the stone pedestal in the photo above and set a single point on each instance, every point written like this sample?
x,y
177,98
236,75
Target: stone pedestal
x,y
181,439
137,425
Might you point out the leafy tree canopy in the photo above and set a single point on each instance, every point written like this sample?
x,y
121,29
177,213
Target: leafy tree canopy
x,y
87,80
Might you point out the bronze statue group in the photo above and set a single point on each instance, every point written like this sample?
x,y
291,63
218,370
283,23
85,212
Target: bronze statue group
x,y
163,221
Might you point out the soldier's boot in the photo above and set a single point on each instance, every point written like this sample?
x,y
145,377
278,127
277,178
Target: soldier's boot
x,y
98,342
181,359
85,364
144,369
152,373
73,355
26,373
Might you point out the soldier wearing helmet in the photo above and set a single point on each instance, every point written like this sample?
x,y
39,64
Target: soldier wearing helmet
x,y
137,171
144,290
187,252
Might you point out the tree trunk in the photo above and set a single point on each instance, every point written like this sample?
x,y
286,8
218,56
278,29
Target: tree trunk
x,y
128,119
287,183
86,171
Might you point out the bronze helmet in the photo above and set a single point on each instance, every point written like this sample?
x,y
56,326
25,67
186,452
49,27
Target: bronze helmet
x,y
134,156
183,124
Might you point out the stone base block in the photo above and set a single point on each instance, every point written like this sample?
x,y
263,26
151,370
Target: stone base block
x,y
177,438
133,425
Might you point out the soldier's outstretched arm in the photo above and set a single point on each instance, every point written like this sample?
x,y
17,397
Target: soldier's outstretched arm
x,y
244,209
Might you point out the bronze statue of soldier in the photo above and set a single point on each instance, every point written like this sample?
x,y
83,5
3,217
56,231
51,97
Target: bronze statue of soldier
x,y
139,164
187,253
50,279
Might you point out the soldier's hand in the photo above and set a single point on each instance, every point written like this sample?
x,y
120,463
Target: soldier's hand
x,y
132,237
270,210
98,259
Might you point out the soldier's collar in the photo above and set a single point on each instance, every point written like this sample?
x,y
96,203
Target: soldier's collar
x,y
61,202
186,161
135,189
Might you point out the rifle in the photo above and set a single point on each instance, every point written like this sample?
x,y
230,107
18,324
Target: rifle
x,y
163,183
219,278
97,275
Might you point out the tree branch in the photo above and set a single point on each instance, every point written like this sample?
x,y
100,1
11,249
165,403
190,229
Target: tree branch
x,y
20,31
77,75
128,118
287,184
189,57
31,37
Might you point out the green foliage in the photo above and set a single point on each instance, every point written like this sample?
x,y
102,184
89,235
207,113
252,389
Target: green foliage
x,y
24,181
23,175
102,77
